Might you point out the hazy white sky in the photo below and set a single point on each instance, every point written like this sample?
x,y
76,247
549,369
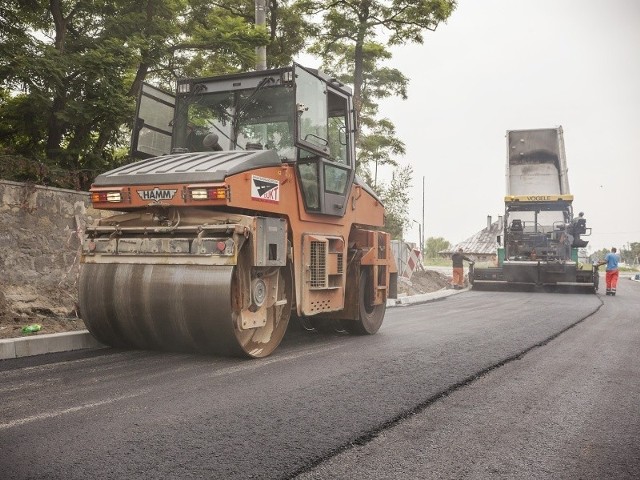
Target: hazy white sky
x,y
501,65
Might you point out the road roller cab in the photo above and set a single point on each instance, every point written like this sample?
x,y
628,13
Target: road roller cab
x,y
244,209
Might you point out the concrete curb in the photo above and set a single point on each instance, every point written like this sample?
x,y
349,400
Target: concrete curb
x,y
47,343
82,339
424,297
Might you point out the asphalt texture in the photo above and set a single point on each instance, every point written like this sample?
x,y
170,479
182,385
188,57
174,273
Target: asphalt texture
x,y
569,409
319,406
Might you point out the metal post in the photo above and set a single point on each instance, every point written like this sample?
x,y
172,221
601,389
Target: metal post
x,y
422,229
421,247
261,51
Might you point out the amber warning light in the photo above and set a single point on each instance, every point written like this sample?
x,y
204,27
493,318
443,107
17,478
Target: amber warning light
x,y
216,192
103,196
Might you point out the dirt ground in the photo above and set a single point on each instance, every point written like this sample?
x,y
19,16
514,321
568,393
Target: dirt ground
x,y
55,310
425,281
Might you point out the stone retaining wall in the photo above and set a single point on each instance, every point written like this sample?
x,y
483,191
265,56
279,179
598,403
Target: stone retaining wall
x,y
41,231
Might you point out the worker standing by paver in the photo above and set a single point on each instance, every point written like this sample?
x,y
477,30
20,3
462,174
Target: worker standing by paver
x,y
458,268
611,260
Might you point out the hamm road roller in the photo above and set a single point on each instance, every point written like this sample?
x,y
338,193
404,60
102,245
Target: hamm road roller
x,y
243,210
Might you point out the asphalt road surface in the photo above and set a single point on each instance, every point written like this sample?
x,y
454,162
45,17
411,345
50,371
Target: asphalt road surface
x,y
480,385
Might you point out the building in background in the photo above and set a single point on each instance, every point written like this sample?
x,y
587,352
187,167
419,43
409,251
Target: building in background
x,y
482,246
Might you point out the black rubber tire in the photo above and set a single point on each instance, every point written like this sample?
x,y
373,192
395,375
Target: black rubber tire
x,y
370,316
326,325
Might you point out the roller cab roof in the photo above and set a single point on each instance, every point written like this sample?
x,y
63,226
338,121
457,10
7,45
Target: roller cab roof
x,y
188,168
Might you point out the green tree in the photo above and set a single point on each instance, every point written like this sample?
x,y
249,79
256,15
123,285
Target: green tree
x,y
353,43
287,29
631,254
599,254
378,147
635,252
348,30
433,245
70,69
59,58
395,198
376,138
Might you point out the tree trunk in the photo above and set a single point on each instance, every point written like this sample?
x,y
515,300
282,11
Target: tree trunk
x,y
141,74
60,23
55,126
273,19
143,68
358,75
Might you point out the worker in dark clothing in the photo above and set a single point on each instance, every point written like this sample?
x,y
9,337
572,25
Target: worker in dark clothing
x,y
458,268
578,227
577,220
566,242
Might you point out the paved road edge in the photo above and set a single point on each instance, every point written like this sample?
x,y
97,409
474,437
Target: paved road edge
x,y
82,339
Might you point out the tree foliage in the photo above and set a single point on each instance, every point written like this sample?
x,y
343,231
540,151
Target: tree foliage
x,y
379,147
433,245
395,197
71,69
629,253
349,28
634,253
350,45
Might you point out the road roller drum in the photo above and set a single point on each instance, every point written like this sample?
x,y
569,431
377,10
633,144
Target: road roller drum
x,y
173,307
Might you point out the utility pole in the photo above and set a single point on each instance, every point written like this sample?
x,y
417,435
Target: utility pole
x,y
422,229
261,51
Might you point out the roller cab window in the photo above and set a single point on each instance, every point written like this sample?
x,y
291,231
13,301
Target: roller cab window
x,y
305,116
256,118
324,137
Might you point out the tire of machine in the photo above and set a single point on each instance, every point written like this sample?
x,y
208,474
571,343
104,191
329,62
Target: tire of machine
x,y
262,341
327,325
370,316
